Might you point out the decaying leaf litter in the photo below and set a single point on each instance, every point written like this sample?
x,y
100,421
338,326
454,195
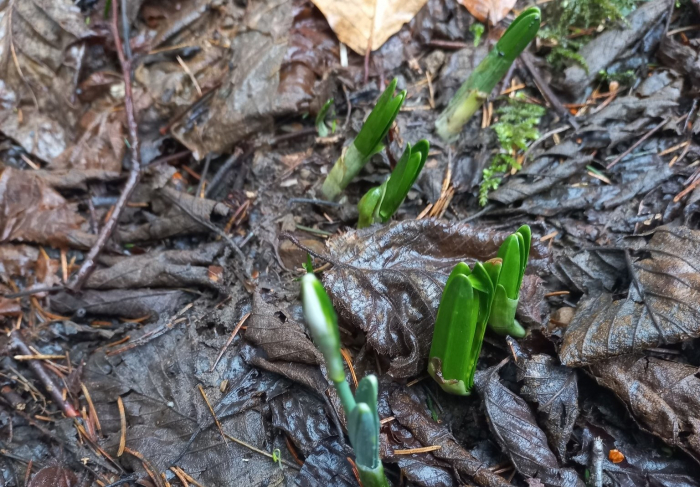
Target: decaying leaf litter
x,y
182,358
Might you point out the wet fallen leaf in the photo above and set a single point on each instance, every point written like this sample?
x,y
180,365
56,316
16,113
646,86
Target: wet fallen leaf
x,y
388,280
159,380
555,391
250,96
515,428
492,10
663,396
302,416
664,311
412,416
40,58
30,211
604,48
281,337
328,465
53,477
367,22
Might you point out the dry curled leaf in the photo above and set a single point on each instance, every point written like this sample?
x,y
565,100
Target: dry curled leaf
x,y
387,281
492,10
555,391
515,428
281,337
663,396
664,310
367,22
53,477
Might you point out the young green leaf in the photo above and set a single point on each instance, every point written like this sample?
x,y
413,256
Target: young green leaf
x,y
381,202
367,143
323,324
459,328
321,126
512,256
487,74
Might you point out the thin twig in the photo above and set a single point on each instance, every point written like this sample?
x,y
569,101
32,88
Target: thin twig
x,y
135,172
30,292
638,143
223,170
230,339
546,91
17,343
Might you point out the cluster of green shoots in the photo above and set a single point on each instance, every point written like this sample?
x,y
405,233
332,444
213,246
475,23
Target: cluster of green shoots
x,y
487,294
381,202
570,21
516,128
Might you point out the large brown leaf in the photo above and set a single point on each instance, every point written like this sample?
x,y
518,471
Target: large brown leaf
x,y
665,310
30,211
514,425
388,280
364,23
664,397
554,389
39,64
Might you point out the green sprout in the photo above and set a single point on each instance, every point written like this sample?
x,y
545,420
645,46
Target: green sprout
x,y
360,409
321,126
477,30
459,328
367,143
507,272
474,91
381,203
277,457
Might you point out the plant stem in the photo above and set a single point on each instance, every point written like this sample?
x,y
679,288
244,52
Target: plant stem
x,y
458,112
344,170
346,397
372,477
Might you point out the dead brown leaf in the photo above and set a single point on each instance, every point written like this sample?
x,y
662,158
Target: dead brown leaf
x,y
492,10
30,211
40,58
367,22
663,396
665,310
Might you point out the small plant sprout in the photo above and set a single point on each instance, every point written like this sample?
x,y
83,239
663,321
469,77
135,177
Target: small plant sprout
x,y
361,409
474,91
367,143
321,127
459,328
380,203
507,271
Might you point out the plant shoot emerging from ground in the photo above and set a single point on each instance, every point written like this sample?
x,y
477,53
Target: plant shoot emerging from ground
x,y
474,91
367,143
380,203
360,409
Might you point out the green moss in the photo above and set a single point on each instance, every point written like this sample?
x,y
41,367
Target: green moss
x,y
565,19
515,129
